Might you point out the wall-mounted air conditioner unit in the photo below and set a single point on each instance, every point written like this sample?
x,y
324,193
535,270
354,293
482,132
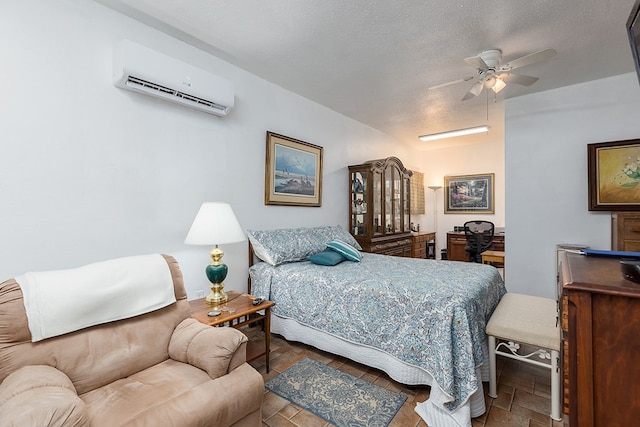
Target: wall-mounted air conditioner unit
x,y
144,70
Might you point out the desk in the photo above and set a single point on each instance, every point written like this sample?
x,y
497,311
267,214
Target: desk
x,y
457,241
237,312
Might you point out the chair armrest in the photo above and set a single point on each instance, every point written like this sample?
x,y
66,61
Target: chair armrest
x,y
40,395
208,348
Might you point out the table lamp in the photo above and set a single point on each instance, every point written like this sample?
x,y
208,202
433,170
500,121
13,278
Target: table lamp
x,y
215,224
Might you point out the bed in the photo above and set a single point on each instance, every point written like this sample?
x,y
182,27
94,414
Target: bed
x,y
420,321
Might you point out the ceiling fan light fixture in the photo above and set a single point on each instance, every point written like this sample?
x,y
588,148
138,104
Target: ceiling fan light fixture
x,y
453,133
498,85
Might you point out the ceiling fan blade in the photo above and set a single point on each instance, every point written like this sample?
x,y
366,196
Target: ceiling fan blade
x,y
466,79
475,90
477,62
540,55
519,79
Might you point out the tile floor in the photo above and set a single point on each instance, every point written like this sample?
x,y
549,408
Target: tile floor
x,y
523,391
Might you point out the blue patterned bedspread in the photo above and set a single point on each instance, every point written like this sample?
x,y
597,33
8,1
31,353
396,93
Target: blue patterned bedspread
x,y
427,313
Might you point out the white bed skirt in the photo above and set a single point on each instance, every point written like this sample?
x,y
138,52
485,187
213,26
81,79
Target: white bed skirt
x,y
431,410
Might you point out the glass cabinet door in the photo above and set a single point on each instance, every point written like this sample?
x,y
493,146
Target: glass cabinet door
x,y
407,204
397,207
388,201
376,197
358,203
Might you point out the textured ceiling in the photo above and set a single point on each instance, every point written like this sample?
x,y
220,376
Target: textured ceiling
x,y
374,60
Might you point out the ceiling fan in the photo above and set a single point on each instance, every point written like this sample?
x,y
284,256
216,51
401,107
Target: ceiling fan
x,y
494,75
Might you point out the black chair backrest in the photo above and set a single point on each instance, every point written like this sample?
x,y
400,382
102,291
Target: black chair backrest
x,y
479,234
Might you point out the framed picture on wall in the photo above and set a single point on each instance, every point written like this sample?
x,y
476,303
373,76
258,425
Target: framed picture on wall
x,y
614,175
293,172
469,194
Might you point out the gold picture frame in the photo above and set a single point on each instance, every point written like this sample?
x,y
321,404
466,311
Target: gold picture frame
x,y
614,175
293,172
466,194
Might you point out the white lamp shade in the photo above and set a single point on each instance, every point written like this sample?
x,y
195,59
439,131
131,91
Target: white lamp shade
x,y
215,224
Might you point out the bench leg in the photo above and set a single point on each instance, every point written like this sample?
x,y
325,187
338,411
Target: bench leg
x,y
492,367
555,386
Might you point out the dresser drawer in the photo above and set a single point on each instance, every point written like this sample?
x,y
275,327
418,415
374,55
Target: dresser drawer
x,y
419,253
420,245
631,245
625,231
632,229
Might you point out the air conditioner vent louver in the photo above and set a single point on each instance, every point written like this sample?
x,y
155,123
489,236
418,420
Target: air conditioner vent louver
x,y
165,92
146,71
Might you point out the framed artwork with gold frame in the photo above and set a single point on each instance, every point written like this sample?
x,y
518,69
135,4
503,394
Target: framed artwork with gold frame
x,y
614,175
293,172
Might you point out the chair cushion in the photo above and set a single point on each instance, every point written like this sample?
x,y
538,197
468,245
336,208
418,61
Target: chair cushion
x,y
526,319
176,394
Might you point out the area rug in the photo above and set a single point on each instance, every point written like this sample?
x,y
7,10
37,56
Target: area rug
x,y
335,396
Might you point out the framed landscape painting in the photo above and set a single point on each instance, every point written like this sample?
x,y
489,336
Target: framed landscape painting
x,y
293,172
614,175
469,194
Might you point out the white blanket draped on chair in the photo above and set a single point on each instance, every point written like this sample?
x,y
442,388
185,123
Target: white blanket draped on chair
x,y
63,301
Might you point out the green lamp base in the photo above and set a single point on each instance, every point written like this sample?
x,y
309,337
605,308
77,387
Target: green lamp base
x,y
216,273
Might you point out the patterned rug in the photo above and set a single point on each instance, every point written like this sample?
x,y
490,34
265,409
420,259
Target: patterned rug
x,y
335,396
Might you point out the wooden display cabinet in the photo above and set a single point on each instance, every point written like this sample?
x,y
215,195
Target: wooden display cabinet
x,y
379,213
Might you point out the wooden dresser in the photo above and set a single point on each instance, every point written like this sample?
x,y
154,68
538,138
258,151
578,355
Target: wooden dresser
x,y
625,231
420,242
600,314
457,241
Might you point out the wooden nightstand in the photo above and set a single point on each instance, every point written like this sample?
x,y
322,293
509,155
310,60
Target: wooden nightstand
x,y
237,312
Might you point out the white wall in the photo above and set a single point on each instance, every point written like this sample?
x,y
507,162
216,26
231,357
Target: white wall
x,y
92,172
546,173
463,160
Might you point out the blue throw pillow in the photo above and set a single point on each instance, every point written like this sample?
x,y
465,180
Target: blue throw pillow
x,y
345,249
327,257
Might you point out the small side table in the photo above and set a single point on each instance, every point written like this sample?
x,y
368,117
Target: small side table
x,y
492,256
237,312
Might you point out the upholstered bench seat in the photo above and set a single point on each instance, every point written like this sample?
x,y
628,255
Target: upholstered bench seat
x,y
524,319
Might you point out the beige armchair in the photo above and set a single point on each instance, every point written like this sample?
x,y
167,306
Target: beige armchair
x,y
162,368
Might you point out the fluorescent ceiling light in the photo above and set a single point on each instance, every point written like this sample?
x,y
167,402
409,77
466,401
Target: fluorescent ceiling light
x,y
452,133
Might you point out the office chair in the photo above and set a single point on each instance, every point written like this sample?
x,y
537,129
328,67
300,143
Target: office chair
x,y
479,236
